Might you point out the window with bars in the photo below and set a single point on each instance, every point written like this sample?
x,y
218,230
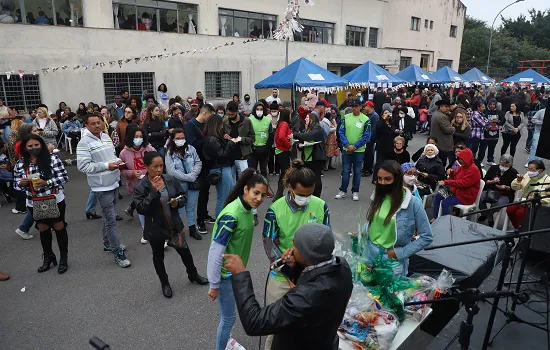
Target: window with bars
x,y
136,83
222,84
404,62
21,94
442,63
355,36
373,37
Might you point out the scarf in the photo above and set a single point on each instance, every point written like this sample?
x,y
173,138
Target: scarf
x,y
528,189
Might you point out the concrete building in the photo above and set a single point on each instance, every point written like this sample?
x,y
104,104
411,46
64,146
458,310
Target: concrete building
x,y
337,35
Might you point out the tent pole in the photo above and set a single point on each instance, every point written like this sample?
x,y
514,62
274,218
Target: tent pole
x,y
286,52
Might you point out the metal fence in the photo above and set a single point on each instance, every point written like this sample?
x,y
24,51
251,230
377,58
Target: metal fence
x,y
495,73
21,94
135,83
222,85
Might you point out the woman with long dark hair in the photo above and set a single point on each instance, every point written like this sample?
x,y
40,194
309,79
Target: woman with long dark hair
x,y
232,234
393,218
129,117
218,152
157,197
81,111
183,163
162,95
282,148
514,122
40,174
155,128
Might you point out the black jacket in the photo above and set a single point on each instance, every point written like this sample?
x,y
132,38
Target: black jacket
x,y
435,169
218,152
409,126
505,179
175,122
307,317
462,135
156,131
315,134
384,137
148,204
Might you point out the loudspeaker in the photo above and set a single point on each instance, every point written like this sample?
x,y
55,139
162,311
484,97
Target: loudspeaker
x,y
543,148
540,242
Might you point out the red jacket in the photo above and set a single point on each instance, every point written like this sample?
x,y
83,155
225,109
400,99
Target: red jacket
x,y
415,100
465,182
281,137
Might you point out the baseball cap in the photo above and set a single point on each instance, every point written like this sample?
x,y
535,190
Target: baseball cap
x,y
194,102
369,104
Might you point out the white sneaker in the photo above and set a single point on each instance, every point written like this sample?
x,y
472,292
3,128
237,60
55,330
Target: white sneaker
x,y
23,234
144,241
232,344
165,244
340,195
15,211
355,196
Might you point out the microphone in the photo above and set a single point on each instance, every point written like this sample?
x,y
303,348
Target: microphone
x,y
540,183
278,264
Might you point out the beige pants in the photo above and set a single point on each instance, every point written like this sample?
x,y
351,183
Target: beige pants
x,y
275,291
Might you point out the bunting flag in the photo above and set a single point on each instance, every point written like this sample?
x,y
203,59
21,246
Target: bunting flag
x,y
121,62
291,20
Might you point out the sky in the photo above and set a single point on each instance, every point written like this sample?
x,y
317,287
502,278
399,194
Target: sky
x,y
487,9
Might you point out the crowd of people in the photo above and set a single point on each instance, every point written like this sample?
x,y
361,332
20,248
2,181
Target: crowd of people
x,y
169,151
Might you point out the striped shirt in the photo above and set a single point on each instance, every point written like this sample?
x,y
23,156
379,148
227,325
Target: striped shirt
x,y
93,156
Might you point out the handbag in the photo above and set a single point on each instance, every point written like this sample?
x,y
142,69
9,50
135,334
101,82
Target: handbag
x,y
177,239
492,196
214,178
194,186
445,192
44,207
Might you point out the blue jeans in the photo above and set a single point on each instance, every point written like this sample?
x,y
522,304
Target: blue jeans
x,y
7,131
534,144
529,141
189,209
446,204
91,203
225,185
228,313
107,201
27,222
241,166
355,159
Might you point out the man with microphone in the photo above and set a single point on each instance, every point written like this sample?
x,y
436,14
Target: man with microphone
x,y
308,316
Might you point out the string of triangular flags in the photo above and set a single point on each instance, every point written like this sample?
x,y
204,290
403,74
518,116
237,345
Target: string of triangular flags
x,y
123,61
291,21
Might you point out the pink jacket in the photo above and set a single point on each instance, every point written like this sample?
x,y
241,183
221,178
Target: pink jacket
x,y
133,160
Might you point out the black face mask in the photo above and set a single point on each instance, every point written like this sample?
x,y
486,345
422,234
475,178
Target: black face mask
x,y
384,189
247,99
35,151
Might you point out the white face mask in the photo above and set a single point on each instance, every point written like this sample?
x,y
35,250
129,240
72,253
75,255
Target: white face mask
x,y
430,157
259,113
410,179
401,114
301,201
138,142
275,113
532,173
179,143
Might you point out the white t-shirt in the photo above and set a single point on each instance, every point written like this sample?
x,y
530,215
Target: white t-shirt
x,y
270,100
42,122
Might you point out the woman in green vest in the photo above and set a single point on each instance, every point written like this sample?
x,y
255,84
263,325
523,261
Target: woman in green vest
x,y
232,234
298,207
263,131
313,148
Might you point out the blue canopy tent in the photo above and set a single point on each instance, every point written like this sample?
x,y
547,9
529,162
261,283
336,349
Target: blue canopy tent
x,y
528,77
371,73
415,74
474,75
302,73
448,75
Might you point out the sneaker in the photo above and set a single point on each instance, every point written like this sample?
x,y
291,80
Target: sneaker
x,y
271,174
108,249
355,196
23,234
232,344
15,211
340,195
121,260
482,165
491,163
129,211
165,244
527,150
144,241
201,227
210,219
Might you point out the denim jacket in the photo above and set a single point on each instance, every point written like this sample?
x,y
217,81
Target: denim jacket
x,y
410,218
175,167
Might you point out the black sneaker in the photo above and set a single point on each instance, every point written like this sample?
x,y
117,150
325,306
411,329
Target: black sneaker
x,y
201,227
210,219
119,218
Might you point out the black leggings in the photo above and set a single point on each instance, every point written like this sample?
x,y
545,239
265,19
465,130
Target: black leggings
x,y
258,158
510,140
157,246
62,241
283,159
316,166
204,193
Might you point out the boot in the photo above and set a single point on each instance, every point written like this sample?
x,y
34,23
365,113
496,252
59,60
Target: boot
x,y
129,211
166,289
193,233
63,243
48,259
62,268
198,279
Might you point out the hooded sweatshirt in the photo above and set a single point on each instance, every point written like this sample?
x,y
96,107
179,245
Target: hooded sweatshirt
x,y
465,182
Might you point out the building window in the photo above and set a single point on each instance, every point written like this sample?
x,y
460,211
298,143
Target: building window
x,y
431,24
43,12
373,37
142,15
425,23
315,32
404,62
355,36
415,24
136,83
222,85
21,94
443,63
453,31
425,62
246,24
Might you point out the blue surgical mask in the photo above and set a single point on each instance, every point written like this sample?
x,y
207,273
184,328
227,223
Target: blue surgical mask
x,y
221,115
503,168
532,173
138,142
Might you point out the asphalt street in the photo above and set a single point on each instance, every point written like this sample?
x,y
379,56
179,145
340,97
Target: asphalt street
x,y
125,307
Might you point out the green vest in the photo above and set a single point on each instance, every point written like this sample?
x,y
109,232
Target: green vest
x,y
289,221
355,126
240,242
261,129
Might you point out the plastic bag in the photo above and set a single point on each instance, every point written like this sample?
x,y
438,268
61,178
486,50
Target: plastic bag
x,y
443,283
385,334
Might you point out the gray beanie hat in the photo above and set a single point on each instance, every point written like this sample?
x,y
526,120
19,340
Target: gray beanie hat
x,y
315,242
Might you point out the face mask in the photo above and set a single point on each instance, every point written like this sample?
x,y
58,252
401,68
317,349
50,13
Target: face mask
x,y
259,114
247,99
532,173
401,115
35,151
503,169
301,201
410,179
221,115
179,143
138,142
383,189
275,113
